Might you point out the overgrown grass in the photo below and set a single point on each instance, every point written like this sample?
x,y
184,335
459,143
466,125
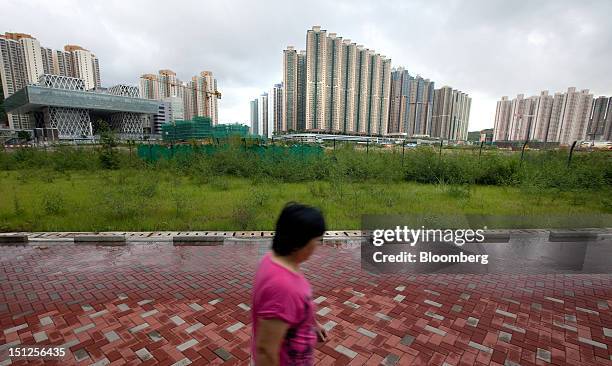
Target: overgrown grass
x,y
149,199
235,188
539,170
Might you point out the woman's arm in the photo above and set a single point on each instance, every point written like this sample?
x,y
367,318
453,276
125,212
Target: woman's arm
x,y
270,335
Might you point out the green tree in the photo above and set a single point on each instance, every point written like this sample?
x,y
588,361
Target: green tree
x,y
109,158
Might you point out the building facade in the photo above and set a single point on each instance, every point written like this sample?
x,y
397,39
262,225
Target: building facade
x,y
62,108
263,116
411,108
335,86
199,95
275,109
254,116
601,120
23,61
290,90
450,114
561,118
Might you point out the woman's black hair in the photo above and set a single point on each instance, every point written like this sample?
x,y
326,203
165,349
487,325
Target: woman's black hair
x,y
296,226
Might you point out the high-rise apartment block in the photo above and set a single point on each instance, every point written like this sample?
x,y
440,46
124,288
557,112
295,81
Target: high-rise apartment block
x,y
562,117
275,109
199,95
600,123
451,114
411,104
335,86
254,116
338,86
23,61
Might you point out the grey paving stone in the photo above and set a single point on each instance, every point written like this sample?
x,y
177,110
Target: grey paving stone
x,y
504,336
155,336
123,307
84,328
390,360
514,328
196,307
320,299
607,332
536,306
177,320
323,311
399,298
16,328
102,362
40,336
511,363
432,303
329,325
592,343
554,299
144,302
194,327
505,313
588,311
183,362
138,328
80,355
244,307
149,313
471,321
465,296
144,354
434,315
234,327
111,336
435,330
99,313
407,340
400,288
480,347
366,332
457,308
215,301
345,351
565,326
570,318
383,316
543,355
351,304
190,343
432,292
223,354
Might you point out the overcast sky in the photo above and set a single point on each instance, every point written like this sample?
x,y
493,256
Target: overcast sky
x,y
485,48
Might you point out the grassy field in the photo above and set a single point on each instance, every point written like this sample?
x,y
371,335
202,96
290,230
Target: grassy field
x,y
160,199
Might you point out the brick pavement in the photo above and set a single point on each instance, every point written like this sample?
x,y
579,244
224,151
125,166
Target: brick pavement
x,y
156,304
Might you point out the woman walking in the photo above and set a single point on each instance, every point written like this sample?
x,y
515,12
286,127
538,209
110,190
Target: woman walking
x,y
285,330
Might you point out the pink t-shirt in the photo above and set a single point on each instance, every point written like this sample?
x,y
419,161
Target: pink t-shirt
x,y
286,295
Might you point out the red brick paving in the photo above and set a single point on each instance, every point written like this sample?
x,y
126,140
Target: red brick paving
x,y
95,295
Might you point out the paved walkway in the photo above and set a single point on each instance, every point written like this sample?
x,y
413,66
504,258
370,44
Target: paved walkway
x,y
159,304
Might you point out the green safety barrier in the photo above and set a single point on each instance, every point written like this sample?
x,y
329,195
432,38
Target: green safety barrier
x,y
153,153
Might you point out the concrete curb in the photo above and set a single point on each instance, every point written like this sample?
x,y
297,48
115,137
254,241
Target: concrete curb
x,y
13,238
347,238
107,240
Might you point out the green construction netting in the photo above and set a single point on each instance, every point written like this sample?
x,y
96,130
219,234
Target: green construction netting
x,y
156,152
